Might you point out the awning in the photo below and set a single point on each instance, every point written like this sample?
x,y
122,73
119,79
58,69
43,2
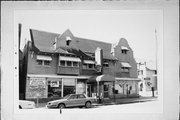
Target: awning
x,y
89,62
128,79
43,57
101,78
124,48
69,59
124,64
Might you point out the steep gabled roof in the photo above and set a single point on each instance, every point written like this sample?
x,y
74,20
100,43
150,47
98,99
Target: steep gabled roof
x,y
44,42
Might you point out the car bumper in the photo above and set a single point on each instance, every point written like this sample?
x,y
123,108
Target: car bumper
x,y
51,106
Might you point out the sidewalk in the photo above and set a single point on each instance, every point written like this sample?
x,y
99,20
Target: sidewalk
x,y
127,100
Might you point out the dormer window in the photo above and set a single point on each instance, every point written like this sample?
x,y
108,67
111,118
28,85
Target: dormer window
x,y
68,40
124,50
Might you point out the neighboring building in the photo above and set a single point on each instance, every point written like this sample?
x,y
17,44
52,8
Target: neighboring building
x,y
147,72
59,64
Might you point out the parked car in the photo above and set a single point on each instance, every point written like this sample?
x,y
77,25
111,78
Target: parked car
x,y
24,104
72,100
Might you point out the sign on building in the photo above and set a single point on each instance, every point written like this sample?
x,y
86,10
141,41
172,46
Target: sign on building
x,y
36,86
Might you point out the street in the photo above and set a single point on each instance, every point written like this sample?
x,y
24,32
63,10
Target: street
x,y
138,107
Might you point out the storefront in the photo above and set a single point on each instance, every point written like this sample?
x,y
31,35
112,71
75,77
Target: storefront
x,y
100,86
126,87
54,86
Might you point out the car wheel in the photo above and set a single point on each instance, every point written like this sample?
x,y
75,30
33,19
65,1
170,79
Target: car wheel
x,y
88,104
61,105
20,107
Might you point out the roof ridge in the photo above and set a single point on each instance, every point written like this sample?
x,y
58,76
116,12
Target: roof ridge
x,y
93,40
74,35
45,31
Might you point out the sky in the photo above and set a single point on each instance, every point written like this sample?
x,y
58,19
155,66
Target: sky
x,y
137,26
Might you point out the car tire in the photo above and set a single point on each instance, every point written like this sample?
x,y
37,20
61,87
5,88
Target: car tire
x,y
61,105
88,104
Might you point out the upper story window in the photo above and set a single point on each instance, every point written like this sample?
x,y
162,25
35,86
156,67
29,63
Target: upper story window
x,y
43,60
89,64
105,64
68,64
155,72
69,61
125,67
39,62
46,62
68,40
124,50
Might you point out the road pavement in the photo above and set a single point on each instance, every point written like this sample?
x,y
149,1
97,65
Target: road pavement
x,y
116,101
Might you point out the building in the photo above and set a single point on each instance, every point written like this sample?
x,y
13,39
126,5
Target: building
x,y
59,64
147,72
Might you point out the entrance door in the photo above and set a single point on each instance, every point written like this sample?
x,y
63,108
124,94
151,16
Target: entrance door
x,y
106,90
89,93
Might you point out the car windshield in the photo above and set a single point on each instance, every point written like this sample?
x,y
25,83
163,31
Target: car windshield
x,y
67,96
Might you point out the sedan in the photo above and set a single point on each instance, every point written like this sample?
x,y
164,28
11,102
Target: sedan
x,y
72,100
24,104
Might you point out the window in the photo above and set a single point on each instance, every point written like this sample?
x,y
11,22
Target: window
x,y
81,96
68,42
39,62
124,51
90,66
69,63
62,63
84,66
75,64
54,89
46,62
73,97
106,64
43,62
125,69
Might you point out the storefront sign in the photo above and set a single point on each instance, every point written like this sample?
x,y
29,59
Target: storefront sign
x,y
37,82
54,84
36,87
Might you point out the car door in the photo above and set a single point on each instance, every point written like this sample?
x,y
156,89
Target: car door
x,y
72,101
81,99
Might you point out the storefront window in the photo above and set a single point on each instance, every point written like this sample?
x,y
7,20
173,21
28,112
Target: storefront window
x,y
69,90
69,86
54,89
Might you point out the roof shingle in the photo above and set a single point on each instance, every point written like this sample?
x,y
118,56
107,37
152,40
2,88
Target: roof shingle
x,y
44,42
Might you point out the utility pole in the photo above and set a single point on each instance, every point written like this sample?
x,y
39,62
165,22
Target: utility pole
x,y
156,53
